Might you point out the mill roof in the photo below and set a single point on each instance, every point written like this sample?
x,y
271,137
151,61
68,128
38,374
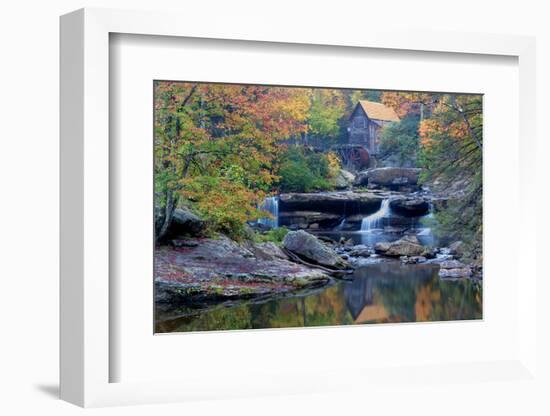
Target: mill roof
x,y
378,111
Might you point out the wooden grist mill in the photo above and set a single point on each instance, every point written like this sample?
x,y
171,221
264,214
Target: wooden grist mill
x,y
365,123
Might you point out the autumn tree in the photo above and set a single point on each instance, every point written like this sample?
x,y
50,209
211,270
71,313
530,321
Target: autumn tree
x,y
452,151
450,134
215,145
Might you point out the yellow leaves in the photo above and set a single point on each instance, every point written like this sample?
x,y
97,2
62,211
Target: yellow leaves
x,y
333,164
426,130
225,203
407,102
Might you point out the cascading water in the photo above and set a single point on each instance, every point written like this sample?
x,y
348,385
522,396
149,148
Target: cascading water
x,y
425,234
374,221
271,205
340,226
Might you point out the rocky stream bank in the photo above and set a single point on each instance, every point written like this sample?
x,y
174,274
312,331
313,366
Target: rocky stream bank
x,y
193,271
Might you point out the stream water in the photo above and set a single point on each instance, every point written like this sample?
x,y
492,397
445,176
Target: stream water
x,y
378,293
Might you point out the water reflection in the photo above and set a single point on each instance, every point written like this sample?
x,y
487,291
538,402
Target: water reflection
x,y
378,293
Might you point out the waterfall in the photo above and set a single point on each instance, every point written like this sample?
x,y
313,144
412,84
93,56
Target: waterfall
x,y
340,226
374,221
430,213
425,234
271,205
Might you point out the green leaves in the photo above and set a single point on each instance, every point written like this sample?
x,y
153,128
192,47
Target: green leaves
x,y
327,108
399,142
303,171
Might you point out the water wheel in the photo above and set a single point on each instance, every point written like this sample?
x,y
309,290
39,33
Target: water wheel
x,y
356,156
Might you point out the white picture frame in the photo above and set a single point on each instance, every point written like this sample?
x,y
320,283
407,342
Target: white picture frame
x,y
86,356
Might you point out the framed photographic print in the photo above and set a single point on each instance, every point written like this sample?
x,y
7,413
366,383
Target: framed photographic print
x,y
269,213
281,206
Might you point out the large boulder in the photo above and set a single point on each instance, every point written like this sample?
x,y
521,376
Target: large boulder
x,y
311,249
268,251
344,179
184,222
391,178
335,202
407,246
457,249
214,270
410,206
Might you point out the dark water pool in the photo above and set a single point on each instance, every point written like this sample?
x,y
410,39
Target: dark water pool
x,y
378,293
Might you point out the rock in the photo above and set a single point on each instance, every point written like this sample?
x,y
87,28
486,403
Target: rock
x,y
391,178
217,270
269,251
297,226
394,230
440,258
410,206
407,246
346,244
429,253
360,250
311,249
327,240
329,202
184,222
457,249
451,264
305,219
453,269
184,243
455,273
344,179
413,259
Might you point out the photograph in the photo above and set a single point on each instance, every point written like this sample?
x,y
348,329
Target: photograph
x,y
291,206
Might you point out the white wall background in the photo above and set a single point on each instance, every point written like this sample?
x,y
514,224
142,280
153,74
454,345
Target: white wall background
x,y
29,57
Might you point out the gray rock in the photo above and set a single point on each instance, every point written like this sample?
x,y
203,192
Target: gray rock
x,y
307,219
269,251
455,273
407,246
388,177
344,179
185,222
451,264
221,269
332,202
429,253
312,249
457,249
454,269
410,206
178,243
394,230
413,259
360,250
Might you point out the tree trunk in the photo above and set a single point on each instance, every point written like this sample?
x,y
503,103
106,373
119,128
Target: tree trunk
x,y
168,213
